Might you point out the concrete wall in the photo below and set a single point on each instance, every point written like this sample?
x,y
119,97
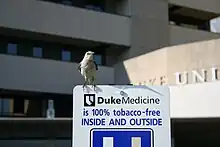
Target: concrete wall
x,y
165,62
149,31
45,75
61,20
193,56
181,35
210,5
195,100
149,27
145,69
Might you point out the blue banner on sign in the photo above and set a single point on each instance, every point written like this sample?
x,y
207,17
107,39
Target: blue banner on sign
x,y
122,137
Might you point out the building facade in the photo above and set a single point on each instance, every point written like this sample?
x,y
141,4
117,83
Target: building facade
x,y
135,41
193,75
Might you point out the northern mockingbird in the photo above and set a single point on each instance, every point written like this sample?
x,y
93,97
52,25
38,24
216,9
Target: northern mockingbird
x,y
88,67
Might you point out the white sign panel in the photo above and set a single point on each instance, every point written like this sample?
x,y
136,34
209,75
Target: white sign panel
x,y
121,116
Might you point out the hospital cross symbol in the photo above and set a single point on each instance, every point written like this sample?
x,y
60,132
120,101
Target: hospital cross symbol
x,y
122,138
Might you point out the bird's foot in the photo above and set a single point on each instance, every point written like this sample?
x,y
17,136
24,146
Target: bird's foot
x,y
84,86
94,87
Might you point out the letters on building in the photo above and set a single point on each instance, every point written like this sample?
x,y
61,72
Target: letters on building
x,y
185,77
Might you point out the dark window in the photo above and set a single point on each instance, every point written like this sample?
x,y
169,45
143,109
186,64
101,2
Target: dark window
x,y
187,21
92,7
2,46
98,59
205,26
66,55
12,48
67,2
37,52
18,105
4,106
97,5
63,107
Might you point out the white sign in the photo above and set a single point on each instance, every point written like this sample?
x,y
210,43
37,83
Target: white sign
x,y
121,116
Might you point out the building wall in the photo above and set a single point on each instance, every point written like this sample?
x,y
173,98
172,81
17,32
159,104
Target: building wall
x,y
149,31
165,62
44,75
149,27
145,30
146,68
182,35
210,6
194,56
56,19
195,100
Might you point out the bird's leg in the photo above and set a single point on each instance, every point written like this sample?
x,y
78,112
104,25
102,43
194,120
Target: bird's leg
x,y
93,83
85,83
94,86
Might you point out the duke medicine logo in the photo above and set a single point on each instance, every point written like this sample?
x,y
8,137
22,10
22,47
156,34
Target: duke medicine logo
x,y
89,100
121,138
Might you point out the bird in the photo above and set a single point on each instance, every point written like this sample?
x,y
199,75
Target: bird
x,y
88,68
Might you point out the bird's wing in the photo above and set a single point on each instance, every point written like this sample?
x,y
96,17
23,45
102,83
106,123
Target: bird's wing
x,y
96,66
79,67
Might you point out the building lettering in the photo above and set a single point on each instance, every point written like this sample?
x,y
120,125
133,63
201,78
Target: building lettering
x,y
197,77
181,78
185,77
152,81
163,80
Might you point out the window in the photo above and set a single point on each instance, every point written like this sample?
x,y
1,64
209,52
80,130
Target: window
x,y
98,59
37,52
66,55
96,5
4,106
59,105
18,105
67,2
92,7
12,48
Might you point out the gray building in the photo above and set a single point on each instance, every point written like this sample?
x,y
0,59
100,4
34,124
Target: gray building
x,y
41,42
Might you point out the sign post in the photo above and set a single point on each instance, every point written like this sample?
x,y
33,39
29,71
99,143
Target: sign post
x,y
121,116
